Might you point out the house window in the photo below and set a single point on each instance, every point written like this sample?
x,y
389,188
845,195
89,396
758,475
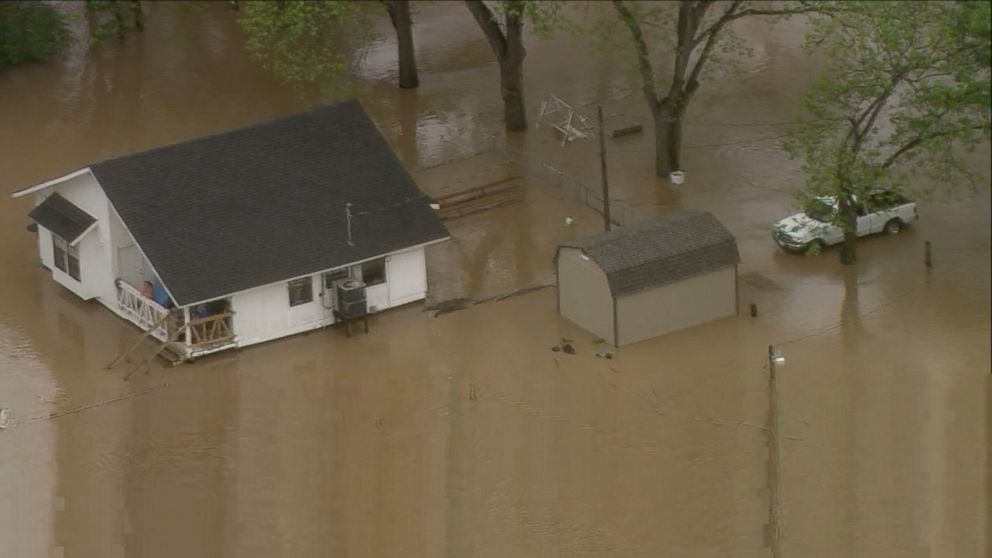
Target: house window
x,y
331,276
300,291
374,272
66,257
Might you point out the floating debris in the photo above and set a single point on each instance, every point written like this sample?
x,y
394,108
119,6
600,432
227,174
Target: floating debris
x,y
4,417
605,354
568,349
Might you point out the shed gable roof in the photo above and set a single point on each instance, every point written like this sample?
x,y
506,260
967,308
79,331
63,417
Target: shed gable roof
x,y
62,217
266,203
660,251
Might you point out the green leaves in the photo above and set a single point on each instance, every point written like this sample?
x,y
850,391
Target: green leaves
x,y
906,89
304,40
30,31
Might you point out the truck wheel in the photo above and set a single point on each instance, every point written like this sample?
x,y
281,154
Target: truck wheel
x,y
814,248
893,226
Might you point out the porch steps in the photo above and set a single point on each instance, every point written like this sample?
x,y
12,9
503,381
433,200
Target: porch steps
x,y
484,197
173,352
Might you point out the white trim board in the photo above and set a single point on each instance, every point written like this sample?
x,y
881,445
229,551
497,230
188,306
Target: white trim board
x,y
53,182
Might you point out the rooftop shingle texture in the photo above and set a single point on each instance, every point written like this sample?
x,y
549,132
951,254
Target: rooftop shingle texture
x,y
663,250
62,217
266,203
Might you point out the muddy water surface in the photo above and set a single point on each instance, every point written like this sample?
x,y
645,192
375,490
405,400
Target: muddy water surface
x,y
464,434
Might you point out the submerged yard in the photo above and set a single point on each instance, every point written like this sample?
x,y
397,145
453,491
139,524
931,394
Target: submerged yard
x,y
463,433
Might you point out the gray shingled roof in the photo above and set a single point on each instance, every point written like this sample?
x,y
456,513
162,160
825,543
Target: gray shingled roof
x,y
62,217
266,203
660,251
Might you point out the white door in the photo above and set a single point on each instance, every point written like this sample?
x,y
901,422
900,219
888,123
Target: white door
x,y
406,273
129,265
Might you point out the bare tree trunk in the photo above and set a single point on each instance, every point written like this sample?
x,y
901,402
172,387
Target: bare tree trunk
x,y
512,88
668,140
510,53
661,151
849,214
673,133
399,15
512,72
139,16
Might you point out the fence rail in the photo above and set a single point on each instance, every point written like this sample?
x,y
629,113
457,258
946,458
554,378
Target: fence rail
x,y
572,187
142,311
210,331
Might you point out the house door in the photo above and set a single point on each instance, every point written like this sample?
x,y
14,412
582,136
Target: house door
x,y
129,265
328,295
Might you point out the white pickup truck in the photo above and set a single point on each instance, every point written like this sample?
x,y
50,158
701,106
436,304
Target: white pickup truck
x,y
810,231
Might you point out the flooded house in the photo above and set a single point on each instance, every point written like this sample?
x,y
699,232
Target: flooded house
x,y
245,236
649,279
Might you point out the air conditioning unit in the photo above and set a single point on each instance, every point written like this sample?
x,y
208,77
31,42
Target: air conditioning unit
x,y
350,297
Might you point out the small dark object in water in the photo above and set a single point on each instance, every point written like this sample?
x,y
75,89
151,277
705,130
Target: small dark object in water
x,y
626,131
754,310
556,348
568,348
605,354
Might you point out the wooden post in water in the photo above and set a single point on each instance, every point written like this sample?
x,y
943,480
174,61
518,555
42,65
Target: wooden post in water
x,y
926,254
602,170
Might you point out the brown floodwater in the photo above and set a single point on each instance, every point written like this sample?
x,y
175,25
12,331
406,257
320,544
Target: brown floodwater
x,y
463,434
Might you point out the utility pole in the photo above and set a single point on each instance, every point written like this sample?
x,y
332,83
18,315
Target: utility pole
x,y
775,483
602,161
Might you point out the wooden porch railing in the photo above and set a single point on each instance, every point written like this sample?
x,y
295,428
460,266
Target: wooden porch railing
x,y
142,311
210,331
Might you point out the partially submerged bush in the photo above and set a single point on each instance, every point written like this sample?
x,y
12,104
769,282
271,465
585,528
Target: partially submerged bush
x,y
30,31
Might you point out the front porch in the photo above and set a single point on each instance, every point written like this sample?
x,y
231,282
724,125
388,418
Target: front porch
x,y
185,332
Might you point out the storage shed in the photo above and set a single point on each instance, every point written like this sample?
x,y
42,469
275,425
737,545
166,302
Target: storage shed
x,y
652,278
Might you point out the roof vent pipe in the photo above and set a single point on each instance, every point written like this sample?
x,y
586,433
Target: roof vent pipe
x,y
347,214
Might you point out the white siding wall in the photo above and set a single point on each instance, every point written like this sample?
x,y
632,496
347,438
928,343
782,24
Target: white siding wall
x,y
264,313
584,293
676,306
95,254
129,262
377,296
45,247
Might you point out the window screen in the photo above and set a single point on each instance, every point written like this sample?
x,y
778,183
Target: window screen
x,y
66,257
374,272
300,291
